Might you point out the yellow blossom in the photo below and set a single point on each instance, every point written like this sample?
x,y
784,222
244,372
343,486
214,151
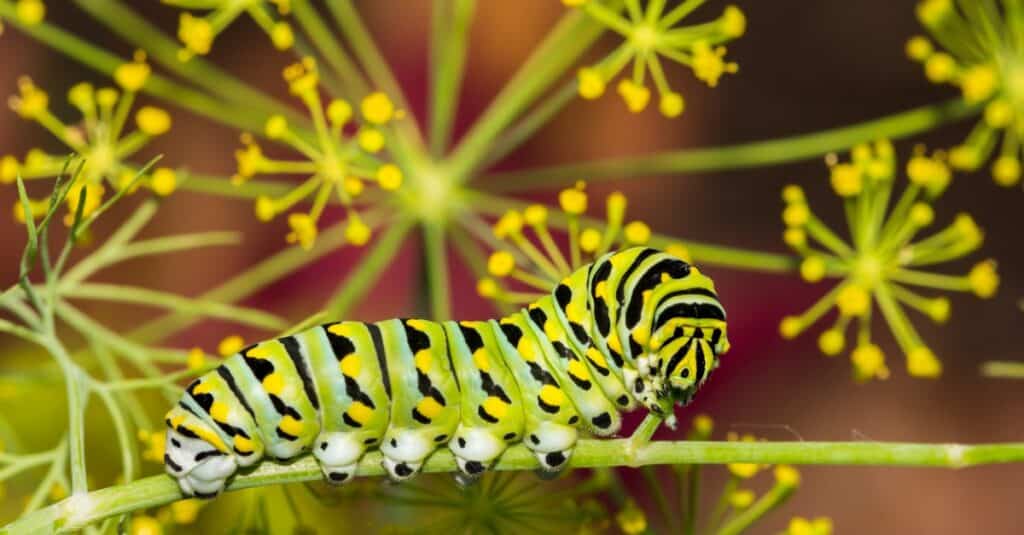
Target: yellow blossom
x,y
30,12
631,519
197,33
196,359
153,443
230,345
145,525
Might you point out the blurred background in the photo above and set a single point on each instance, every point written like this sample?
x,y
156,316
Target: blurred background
x,y
804,66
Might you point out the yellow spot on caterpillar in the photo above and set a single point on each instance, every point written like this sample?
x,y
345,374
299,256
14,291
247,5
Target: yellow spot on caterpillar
x,y
613,342
359,412
259,352
527,350
208,436
350,366
642,334
482,359
177,420
219,411
423,359
577,369
551,395
273,383
601,290
647,293
242,444
665,277
290,425
429,407
419,325
573,312
597,358
552,331
341,329
495,407
202,388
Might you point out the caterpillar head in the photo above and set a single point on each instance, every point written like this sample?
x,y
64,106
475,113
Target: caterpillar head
x,y
689,337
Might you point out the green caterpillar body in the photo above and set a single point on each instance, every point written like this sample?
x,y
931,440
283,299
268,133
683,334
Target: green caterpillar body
x,y
635,327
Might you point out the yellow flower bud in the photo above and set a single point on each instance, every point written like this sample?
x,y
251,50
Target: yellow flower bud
x,y
1006,171
741,498
145,525
868,362
353,186
853,301
276,127
631,519
265,208
230,345
831,342
591,84
339,112
303,230
636,96
196,33
939,309
921,362
999,113
389,177
8,169
812,269
671,105
984,279
573,200
846,180
790,327
733,22
357,232
163,181
787,476
921,214
30,12
590,240
132,76
637,233
978,83
371,140
918,48
281,35
792,194
940,67
535,214
931,12
487,288
703,425
186,511
501,263
153,121
796,215
196,359
377,108
795,237
510,224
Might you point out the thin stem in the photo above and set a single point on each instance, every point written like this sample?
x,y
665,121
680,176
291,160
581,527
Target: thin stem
x,y
79,511
449,35
352,80
746,155
438,287
370,268
772,499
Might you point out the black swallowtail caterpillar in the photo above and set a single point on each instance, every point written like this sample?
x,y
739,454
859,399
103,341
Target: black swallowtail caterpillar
x,y
637,327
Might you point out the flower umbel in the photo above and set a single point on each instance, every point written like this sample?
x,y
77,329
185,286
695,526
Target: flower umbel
x,y
883,258
197,33
987,65
97,138
652,34
336,162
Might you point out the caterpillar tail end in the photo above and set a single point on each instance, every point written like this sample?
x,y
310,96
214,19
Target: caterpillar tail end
x,y
201,471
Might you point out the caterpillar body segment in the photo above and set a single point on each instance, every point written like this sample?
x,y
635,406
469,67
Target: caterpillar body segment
x,y
635,327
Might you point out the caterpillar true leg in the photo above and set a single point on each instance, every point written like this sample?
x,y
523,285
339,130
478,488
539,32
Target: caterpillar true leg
x,y
635,328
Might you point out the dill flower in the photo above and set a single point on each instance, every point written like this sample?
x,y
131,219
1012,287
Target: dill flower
x,y
883,257
337,163
978,56
540,269
799,525
98,138
198,32
145,525
153,441
651,35
631,518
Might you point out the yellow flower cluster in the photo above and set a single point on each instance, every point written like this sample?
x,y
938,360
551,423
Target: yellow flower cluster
x,y
335,161
988,68
198,32
882,258
651,34
541,269
97,139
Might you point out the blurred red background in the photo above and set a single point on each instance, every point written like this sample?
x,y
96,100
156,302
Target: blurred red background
x,y
804,66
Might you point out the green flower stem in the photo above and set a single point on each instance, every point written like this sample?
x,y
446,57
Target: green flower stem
x,y
158,86
449,35
370,268
1003,369
117,293
79,511
536,118
570,38
746,155
312,23
749,516
438,287
127,23
692,500
703,253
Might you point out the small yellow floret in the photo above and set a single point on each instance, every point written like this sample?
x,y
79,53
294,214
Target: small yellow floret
x,y
918,48
939,309
741,498
1006,171
709,63
487,288
30,12
501,263
796,215
853,300
921,362
831,342
868,362
790,327
591,84
792,194
31,101
230,345
265,208
535,214
371,140
846,180
132,76
276,127
281,35
671,105
940,67
196,33
733,21
377,108
921,214
303,232
8,169
163,181
795,237
636,96
196,359
590,240
964,157
339,112
153,121
631,519
787,476
999,113
931,12
637,233
353,186
573,200
511,223
812,269
356,231
186,511
145,525
984,279
574,3
967,228
703,425
389,177
978,83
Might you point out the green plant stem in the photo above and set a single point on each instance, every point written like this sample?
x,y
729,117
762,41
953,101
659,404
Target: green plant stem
x,y
158,86
450,24
371,267
79,511
749,516
702,253
438,287
534,120
1003,369
353,82
570,38
746,155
